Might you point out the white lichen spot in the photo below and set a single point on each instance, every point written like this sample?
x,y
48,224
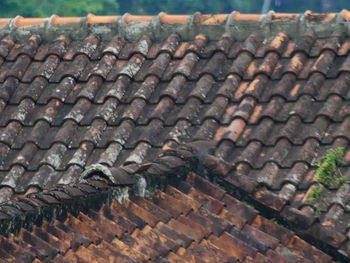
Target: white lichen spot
x,y
54,159
138,154
295,178
12,177
179,132
21,114
79,158
75,115
112,50
122,194
88,48
131,69
143,47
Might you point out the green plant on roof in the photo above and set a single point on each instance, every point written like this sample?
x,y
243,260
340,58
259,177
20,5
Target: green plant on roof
x,y
315,194
318,212
328,171
274,220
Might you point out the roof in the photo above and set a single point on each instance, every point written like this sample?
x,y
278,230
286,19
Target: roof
x,y
213,26
258,100
202,223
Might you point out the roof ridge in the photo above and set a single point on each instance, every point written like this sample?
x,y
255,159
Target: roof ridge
x,y
161,25
20,21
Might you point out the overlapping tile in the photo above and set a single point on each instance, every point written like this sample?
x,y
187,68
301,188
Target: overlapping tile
x,y
203,223
272,108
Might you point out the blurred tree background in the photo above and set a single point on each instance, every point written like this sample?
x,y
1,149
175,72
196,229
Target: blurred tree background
x,y
41,8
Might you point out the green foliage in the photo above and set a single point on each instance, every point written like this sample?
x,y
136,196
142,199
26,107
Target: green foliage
x,y
327,169
274,220
327,173
189,6
44,8
315,194
318,212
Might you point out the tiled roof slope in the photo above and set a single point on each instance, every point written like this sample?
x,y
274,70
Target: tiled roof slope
x,y
202,224
270,102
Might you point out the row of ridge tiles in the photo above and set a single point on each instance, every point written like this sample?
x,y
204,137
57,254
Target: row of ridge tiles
x,y
20,21
202,224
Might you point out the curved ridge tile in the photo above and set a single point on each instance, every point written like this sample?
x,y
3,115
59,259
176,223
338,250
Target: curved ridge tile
x,y
278,43
119,134
14,69
49,113
8,88
58,48
104,66
305,43
196,46
58,91
77,113
13,177
141,47
159,111
44,70
81,156
133,66
39,134
6,45
86,47
215,66
251,44
19,113
27,48
324,62
114,46
295,65
241,63
10,132
25,155
156,68
186,65
170,44
33,90
70,68
90,89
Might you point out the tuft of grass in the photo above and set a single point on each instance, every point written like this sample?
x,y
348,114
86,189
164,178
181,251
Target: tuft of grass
x,y
315,193
327,171
318,212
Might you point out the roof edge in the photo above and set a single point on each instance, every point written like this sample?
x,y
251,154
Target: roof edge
x,y
97,185
174,164
89,192
213,26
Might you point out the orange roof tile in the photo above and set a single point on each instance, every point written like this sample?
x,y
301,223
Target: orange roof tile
x,y
169,18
